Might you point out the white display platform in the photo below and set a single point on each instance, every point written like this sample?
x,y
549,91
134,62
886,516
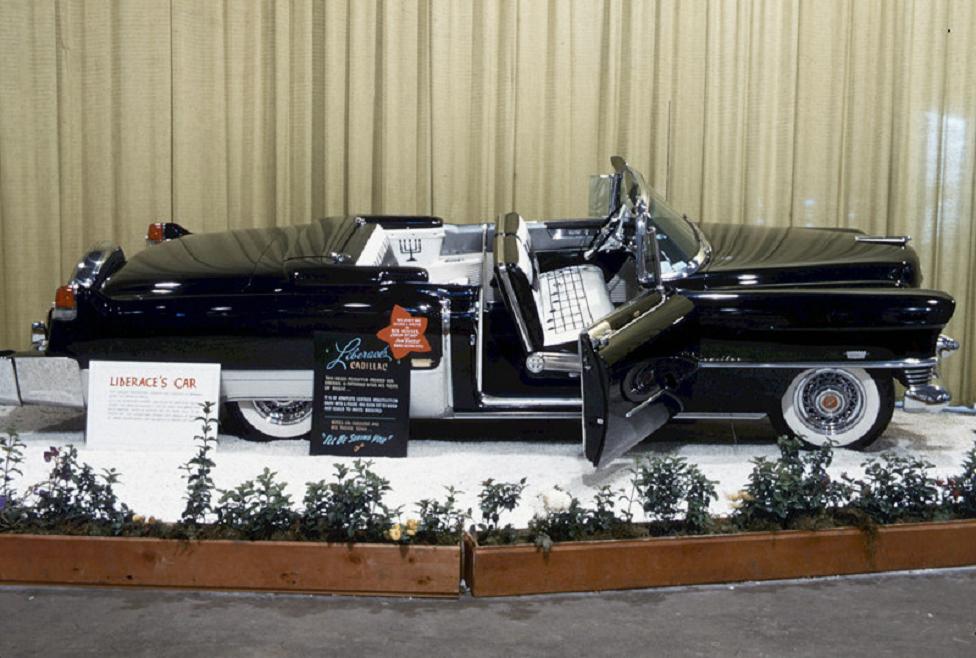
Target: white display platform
x,y
151,482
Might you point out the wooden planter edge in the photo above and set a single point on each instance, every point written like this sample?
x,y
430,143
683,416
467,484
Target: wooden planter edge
x,y
380,569
669,561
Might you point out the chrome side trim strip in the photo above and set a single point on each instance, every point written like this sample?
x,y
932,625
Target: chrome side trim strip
x,y
266,384
495,402
718,415
895,363
576,415
514,415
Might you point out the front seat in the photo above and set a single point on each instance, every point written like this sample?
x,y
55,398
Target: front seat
x,y
550,308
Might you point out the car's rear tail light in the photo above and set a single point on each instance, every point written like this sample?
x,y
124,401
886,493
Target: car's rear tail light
x,y
156,233
64,298
65,304
159,232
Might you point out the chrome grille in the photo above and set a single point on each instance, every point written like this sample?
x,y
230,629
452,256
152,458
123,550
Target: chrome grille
x,y
919,376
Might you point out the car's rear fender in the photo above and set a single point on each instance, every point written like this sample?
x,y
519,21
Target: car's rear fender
x,y
802,324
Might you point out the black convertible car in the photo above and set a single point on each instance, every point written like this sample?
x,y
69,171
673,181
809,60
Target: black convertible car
x,y
624,321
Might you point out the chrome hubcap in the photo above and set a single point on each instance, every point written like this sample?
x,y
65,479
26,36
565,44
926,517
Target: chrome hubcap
x,y
283,412
829,401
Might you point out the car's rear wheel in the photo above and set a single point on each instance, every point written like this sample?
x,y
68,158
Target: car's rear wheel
x,y
850,407
268,420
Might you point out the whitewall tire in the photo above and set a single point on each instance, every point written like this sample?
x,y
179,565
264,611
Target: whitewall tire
x,y
268,420
849,407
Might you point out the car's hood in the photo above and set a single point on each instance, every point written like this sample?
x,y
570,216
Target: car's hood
x,y
761,255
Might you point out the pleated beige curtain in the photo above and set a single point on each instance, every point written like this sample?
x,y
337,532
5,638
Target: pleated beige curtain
x,y
857,113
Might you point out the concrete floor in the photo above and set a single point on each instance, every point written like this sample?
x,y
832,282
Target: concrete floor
x,y
930,612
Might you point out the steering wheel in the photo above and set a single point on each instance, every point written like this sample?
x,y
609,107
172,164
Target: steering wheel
x,y
615,223
609,228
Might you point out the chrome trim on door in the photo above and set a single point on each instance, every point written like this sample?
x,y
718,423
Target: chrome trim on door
x,y
803,365
718,415
266,384
494,402
515,415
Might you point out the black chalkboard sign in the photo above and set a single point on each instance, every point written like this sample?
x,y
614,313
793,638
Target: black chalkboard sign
x,y
361,397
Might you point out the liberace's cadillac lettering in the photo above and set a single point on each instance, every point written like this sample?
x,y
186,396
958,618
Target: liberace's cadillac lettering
x,y
623,322
350,356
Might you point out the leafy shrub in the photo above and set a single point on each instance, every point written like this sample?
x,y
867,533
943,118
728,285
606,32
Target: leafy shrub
x,y
12,512
793,487
351,508
11,457
441,521
199,484
257,509
960,490
569,523
572,521
664,487
75,495
495,498
603,516
895,488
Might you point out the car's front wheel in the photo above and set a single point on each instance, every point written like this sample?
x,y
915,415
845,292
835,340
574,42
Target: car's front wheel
x,y
850,407
268,420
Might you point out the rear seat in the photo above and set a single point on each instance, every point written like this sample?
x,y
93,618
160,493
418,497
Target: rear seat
x,y
377,249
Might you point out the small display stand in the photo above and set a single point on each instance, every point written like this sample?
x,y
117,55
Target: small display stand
x,y
362,389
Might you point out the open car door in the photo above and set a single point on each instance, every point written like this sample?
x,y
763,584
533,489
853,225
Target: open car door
x,y
634,364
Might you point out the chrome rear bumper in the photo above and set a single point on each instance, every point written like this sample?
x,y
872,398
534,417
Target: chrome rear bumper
x,y
37,379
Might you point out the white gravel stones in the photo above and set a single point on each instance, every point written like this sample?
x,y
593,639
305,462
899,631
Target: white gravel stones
x,y
151,483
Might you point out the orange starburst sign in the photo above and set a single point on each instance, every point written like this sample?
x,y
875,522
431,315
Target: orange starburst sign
x,y
405,333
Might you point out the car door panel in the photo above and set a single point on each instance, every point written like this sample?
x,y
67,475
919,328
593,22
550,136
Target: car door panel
x,y
634,363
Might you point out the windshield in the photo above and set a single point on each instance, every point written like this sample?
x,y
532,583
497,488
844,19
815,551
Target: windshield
x,y
678,239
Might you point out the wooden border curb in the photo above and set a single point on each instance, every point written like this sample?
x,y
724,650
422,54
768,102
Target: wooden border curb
x,y
382,569
433,571
668,561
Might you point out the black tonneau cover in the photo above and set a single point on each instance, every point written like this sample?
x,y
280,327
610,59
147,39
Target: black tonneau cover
x,y
229,261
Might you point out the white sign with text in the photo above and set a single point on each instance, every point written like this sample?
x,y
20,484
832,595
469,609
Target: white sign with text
x,y
138,405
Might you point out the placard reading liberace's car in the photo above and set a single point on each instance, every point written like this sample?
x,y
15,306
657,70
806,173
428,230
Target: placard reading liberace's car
x,y
362,388
136,405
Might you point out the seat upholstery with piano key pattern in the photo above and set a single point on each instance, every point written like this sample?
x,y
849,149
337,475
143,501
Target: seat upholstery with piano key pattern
x,y
551,308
